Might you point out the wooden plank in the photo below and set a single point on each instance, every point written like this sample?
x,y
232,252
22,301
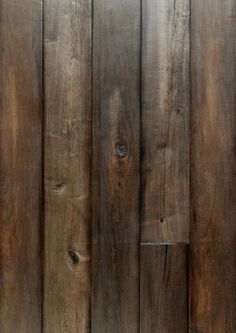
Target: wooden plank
x,y
213,169
164,288
116,121
20,166
165,121
67,165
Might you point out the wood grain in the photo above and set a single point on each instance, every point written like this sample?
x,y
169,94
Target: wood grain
x,y
165,121
116,137
213,169
164,288
67,165
20,166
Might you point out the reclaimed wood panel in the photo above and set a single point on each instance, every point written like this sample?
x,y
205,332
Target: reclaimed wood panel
x,y
67,165
165,121
213,169
116,167
164,288
20,166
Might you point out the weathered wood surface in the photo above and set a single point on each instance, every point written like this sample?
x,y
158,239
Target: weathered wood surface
x,y
116,138
165,121
164,289
20,166
213,169
67,165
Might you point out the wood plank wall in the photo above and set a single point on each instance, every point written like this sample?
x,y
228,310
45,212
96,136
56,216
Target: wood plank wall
x,y
117,166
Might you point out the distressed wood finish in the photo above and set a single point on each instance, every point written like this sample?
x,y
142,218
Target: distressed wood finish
x,y
165,121
67,165
20,166
213,229
164,288
116,121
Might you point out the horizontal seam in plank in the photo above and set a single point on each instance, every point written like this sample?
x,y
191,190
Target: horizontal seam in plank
x,y
163,244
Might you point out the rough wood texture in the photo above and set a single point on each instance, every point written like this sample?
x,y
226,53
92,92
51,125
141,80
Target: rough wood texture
x,y
213,229
20,166
116,119
164,288
67,165
165,121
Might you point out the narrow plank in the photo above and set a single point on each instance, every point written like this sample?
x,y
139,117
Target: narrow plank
x,y
116,122
213,169
164,288
165,121
20,166
67,165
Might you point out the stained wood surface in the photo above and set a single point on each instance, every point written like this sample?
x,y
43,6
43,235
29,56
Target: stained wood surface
x,y
213,169
67,165
20,166
165,121
116,137
95,162
164,289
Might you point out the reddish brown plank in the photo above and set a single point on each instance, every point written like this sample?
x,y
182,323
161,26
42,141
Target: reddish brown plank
x,y
20,166
67,165
116,138
213,169
165,121
164,288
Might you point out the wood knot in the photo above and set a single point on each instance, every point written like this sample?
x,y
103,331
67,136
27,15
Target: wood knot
x,y
121,150
74,259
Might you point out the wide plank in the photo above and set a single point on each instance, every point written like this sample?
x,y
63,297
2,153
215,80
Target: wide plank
x,y
20,166
213,168
164,288
165,121
116,138
67,175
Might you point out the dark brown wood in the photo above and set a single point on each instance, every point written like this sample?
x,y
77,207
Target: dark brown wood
x,y
165,121
213,169
164,288
20,166
67,166
116,137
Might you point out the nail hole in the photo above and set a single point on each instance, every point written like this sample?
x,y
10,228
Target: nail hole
x,y
121,150
73,257
161,220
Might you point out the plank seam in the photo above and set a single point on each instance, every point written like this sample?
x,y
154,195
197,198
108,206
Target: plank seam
x,y
164,244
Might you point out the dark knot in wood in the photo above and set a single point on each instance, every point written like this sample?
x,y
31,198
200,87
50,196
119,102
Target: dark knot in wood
x,y
121,150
